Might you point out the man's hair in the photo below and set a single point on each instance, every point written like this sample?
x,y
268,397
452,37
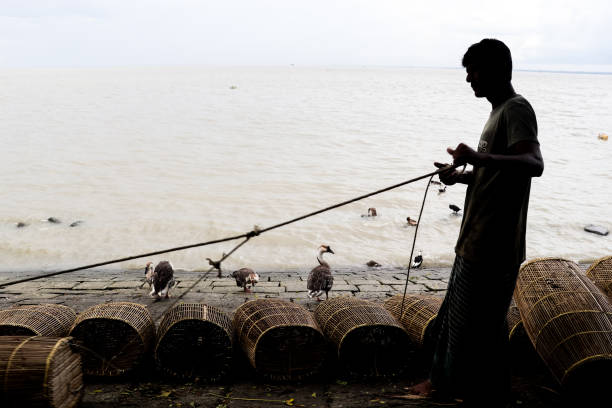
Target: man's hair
x,y
490,55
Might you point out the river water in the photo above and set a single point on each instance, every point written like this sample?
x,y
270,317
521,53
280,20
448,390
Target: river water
x,y
152,158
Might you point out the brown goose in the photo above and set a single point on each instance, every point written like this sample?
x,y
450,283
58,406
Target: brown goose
x,y
320,278
163,280
245,276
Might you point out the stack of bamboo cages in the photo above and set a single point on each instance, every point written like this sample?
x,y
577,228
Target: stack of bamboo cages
x,y
569,321
281,339
113,337
195,340
37,320
417,316
368,339
600,272
39,372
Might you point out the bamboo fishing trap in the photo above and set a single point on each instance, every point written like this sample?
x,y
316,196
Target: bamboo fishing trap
x,y
417,317
522,353
195,340
113,337
368,339
600,272
37,320
39,372
569,321
281,339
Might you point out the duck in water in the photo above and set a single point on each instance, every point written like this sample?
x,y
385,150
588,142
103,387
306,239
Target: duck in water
x,y
371,212
320,278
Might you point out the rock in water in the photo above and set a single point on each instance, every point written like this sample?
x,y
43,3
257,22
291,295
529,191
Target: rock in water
x,y
596,229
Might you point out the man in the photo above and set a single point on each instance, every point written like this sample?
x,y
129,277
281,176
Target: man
x,y
471,331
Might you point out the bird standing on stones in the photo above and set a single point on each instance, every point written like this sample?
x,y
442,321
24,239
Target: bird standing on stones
x,y
148,275
454,208
373,264
163,280
320,278
418,260
245,276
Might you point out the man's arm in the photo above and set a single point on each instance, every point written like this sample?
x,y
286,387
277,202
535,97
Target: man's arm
x,y
525,156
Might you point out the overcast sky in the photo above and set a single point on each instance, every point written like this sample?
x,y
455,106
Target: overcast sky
x,y
542,34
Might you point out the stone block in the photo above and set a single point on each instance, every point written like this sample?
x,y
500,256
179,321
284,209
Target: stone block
x,y
96,285
344,288
374,288
412,288
126,285
359,282
436,285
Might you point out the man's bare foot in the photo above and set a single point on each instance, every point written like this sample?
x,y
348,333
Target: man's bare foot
x,y
424,389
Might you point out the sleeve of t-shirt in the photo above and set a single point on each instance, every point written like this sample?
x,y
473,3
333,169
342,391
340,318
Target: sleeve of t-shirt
x,y
521,123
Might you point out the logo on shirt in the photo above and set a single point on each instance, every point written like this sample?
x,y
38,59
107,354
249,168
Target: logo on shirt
x,y
482,146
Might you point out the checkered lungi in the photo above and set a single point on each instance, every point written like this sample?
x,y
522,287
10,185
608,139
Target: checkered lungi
x,y
471,350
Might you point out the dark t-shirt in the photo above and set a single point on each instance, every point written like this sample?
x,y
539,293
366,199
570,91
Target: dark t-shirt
x,y
495,210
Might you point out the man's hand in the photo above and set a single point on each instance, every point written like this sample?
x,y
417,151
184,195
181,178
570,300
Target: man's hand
x,y
449,177
463,154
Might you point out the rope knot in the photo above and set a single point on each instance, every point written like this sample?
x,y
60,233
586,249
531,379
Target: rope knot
x,y
256,231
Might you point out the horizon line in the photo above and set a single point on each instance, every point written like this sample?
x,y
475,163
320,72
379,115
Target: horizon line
x,y
336,66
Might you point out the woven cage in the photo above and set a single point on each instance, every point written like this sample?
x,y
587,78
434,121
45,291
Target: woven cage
x,y
37,320
568,320
195,340
39,372
600,272
281,339
522,353
417,317
113,337
367,337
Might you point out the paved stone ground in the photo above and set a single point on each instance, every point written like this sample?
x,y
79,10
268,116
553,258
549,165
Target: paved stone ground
x,y
332,389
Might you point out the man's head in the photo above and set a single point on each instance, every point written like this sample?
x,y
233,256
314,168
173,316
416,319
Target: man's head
x,y
489,66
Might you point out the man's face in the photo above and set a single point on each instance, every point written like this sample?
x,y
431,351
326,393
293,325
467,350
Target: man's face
x,y
477,80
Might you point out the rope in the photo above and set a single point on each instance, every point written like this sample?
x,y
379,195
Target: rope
x,y
214,263
255,232
416,230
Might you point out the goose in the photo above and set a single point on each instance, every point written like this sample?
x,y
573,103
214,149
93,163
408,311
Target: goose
x,y
148,275
418,260
320,278
454,208
163,280
437,183
245,276
411,222
441,190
